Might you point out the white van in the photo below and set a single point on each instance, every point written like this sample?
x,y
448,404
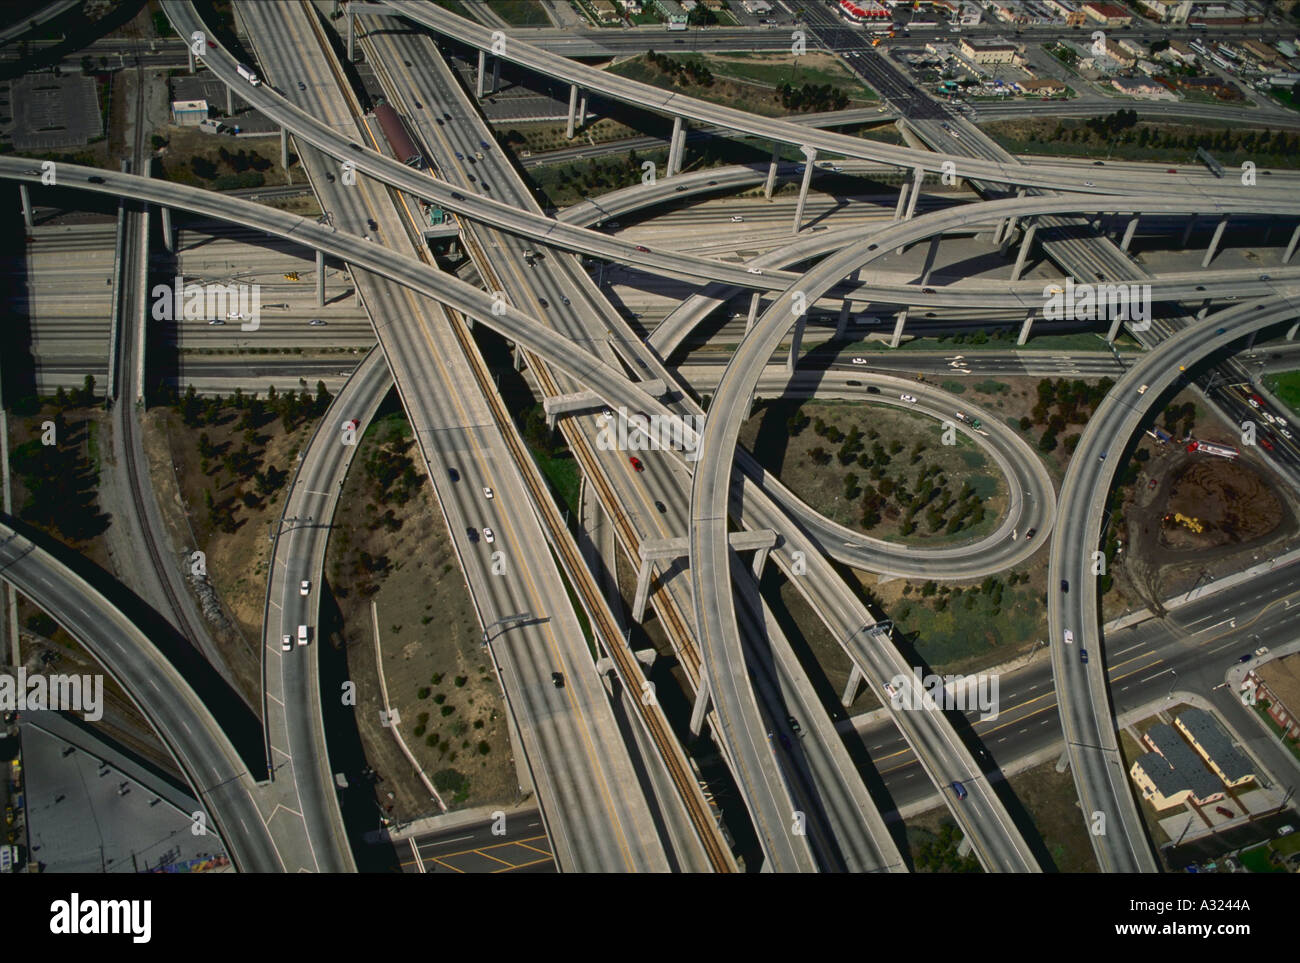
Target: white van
x,y
302,635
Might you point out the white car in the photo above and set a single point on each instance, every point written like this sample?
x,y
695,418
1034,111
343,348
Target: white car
x,y
910,399
859,360
737,218
216,321
487,493
304,587
1253,403
1269,418
1089,184
754,270
316,323
1143,389
889,689
234,315
286,643
1069,636
1284,433
488,536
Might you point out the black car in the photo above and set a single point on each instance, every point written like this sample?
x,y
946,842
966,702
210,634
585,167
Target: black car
x,y
661,506
543,302
446,116
95,179
557,679
565,299
438,121
457,197
1083,656
356,146
329,177
794,725
453,474
927,290
1030,534
872,390
1065,585
472,533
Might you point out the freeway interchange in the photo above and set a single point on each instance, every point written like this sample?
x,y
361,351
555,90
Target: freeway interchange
x,y
609,802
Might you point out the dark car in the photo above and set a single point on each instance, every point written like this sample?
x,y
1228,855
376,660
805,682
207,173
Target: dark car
x,y
1030,534
959,789
661,506
453,474
635,462
1083,656
565,299
95,179
872,390
329,177
854,384
643,250
1065,585
1098,163
355,146
485,145
927,290
456,196
681,188
794,725
543,302
1224,811
446,116
438,121
557,679
1245,658
472,534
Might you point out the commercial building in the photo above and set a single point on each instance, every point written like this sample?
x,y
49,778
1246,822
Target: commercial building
x,y
1277,684
989,51
1119,54
1262,52
1171,773
1108,14
1146,89
1046,87
1210,739
189,113
867,11
756,8
1069,11
672,13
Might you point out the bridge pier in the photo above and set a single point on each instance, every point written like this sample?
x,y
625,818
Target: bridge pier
x,y
1290,248
918,178
1290,335
701,707
320,279
1214,242
1129,232
25,196
496,74
573,108
1204,310
1024,328
753,310
1113,332
760,560
851,687
676,146
791,362
519,357
1025,244
842,323
771,171
169,236
284,149
230,101
898,328
352,35
582,110
1007,224
903,191
803,187
479,86
189,56
1187,231
644,573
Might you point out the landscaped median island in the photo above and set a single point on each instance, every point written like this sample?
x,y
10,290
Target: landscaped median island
x,y
879,469
390,547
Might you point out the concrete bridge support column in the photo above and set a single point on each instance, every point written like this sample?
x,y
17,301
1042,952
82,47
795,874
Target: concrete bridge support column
x,y
1129,232
1204,310
902,202
851,687
796,339
320,279
352,35
519,357
284,148
1214,242
898,329
169,236
582,110
1024,328
479,86
1187,231
913,196
676,146
230,100
809,164
1290,335
760,559
643,576
25,196
1025,244
842,323
701,707
573,108
1007,224
1290,248
189,55
771,171
1113,332
496,74
753,310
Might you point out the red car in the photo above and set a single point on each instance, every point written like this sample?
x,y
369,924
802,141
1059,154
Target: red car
x,y
643,250
1224,811
1171,171
636,462
1266,444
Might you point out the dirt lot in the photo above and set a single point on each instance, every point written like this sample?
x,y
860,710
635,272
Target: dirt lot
x,y
234,532
262,157
1049,797
893,435
451,711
